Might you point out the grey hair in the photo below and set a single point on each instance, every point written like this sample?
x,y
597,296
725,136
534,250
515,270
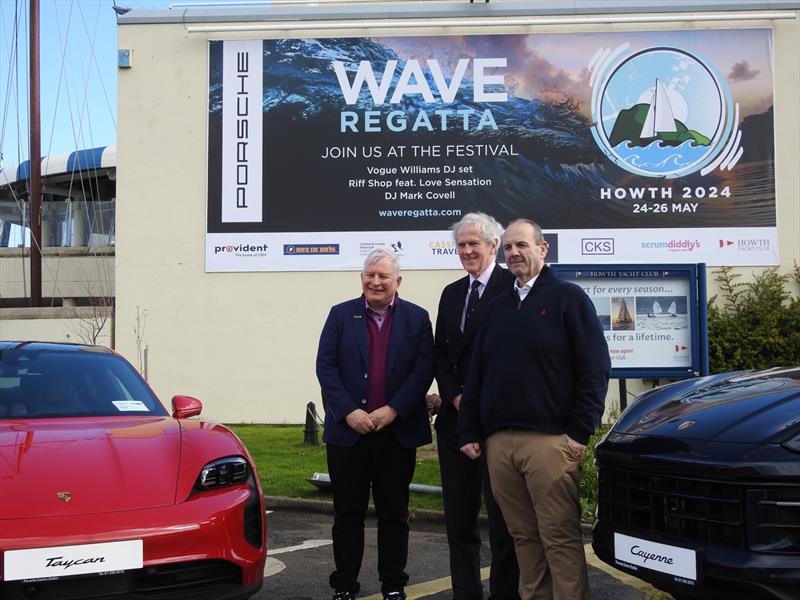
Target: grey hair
x,y
380,254
538,236
489,229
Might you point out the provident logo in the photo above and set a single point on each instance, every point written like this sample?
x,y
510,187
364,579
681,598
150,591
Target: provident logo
x,y
597,246
310,249
242,249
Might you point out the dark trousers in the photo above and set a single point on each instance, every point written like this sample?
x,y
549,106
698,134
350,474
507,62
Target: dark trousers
x,y
379,462
463,480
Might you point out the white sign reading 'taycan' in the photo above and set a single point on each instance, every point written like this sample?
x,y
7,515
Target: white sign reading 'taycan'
x,y
63,561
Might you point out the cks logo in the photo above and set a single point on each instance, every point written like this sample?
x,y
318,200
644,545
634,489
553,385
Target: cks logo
x,y
725,243
597,246
680,348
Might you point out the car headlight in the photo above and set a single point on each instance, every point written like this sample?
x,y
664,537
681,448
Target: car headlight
x,y
223,472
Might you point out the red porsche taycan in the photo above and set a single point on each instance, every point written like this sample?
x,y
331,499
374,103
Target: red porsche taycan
x,y
104,494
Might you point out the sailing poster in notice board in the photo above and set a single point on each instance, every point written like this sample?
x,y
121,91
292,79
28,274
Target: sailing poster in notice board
x,y
653,316
652,146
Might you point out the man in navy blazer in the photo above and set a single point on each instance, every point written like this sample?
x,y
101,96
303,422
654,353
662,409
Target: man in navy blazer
x,y
375,365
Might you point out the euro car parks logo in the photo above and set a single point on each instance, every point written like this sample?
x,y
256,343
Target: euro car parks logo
x,y
310,249
662,112
597,246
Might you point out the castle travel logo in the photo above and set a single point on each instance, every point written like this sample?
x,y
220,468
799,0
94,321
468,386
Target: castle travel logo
x,y
663,112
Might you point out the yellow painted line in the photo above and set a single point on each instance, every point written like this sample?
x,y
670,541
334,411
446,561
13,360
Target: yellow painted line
x,y
437,586
428,588
630,580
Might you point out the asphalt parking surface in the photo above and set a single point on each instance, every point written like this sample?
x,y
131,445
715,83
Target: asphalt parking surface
x,y
301,559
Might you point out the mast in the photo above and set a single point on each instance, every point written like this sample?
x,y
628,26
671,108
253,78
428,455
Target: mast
x,y
35,180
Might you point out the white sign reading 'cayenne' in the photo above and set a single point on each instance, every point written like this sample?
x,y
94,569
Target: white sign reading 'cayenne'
x,y
680,562
62,561
242,111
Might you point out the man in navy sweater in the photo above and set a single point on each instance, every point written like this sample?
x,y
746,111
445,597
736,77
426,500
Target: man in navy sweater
x,y
534,394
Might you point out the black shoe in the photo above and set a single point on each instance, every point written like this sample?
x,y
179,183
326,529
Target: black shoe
x,y
344,596
394,596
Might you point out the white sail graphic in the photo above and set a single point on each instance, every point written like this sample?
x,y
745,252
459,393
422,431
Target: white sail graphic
x,y
672,308
656,307
660,118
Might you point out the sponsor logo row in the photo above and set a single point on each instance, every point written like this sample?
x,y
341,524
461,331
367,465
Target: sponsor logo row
x,y
605,246
590,246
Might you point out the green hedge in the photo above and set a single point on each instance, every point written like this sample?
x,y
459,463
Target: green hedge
x,y
754,325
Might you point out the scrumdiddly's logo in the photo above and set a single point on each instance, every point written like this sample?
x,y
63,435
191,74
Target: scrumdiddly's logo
x,y
663,112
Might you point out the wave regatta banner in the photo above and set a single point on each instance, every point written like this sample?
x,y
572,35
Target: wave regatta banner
x,y
650,146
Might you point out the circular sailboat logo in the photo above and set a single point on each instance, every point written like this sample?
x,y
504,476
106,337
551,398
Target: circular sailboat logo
x,y
661,112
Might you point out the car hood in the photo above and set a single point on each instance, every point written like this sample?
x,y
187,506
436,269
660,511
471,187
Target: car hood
x,y
749,407
57,467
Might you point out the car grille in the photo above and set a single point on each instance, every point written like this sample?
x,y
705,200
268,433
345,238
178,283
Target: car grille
x,y
776,526
180,581
692,510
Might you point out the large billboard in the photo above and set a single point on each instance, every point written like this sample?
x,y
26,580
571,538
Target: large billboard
x,y
636,147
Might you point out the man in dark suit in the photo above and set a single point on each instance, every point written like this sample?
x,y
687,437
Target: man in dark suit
x,y
461,308
375,365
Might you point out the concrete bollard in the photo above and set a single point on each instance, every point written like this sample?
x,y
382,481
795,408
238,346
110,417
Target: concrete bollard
x,y
311,429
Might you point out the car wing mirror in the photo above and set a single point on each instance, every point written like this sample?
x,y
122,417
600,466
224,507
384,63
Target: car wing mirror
x,y
184,407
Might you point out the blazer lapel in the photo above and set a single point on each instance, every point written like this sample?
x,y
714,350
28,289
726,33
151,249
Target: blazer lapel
x,y
360,329
457,309
399,324
487,295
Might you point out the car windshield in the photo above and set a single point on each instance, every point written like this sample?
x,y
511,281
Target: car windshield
x,y
41,384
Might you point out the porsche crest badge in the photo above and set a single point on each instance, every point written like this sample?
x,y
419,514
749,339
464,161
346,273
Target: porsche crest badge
x,y
64,496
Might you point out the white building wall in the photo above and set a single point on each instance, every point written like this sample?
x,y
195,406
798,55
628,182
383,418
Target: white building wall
x,y
77,325
245,343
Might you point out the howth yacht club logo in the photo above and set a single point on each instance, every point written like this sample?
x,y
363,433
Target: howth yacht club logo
x,y
663,112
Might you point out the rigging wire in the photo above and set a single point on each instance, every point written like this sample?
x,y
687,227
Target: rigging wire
x,y
12,53
90,186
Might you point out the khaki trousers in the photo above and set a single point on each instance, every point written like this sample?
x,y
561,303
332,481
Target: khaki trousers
x,y
536,481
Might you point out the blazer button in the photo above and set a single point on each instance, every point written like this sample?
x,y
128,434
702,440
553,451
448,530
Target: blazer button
x,y
363,401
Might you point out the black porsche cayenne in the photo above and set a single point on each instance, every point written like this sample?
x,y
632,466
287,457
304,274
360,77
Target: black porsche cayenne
x,y
699,489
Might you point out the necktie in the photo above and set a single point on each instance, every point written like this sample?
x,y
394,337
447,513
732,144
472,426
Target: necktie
x,y
472,302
